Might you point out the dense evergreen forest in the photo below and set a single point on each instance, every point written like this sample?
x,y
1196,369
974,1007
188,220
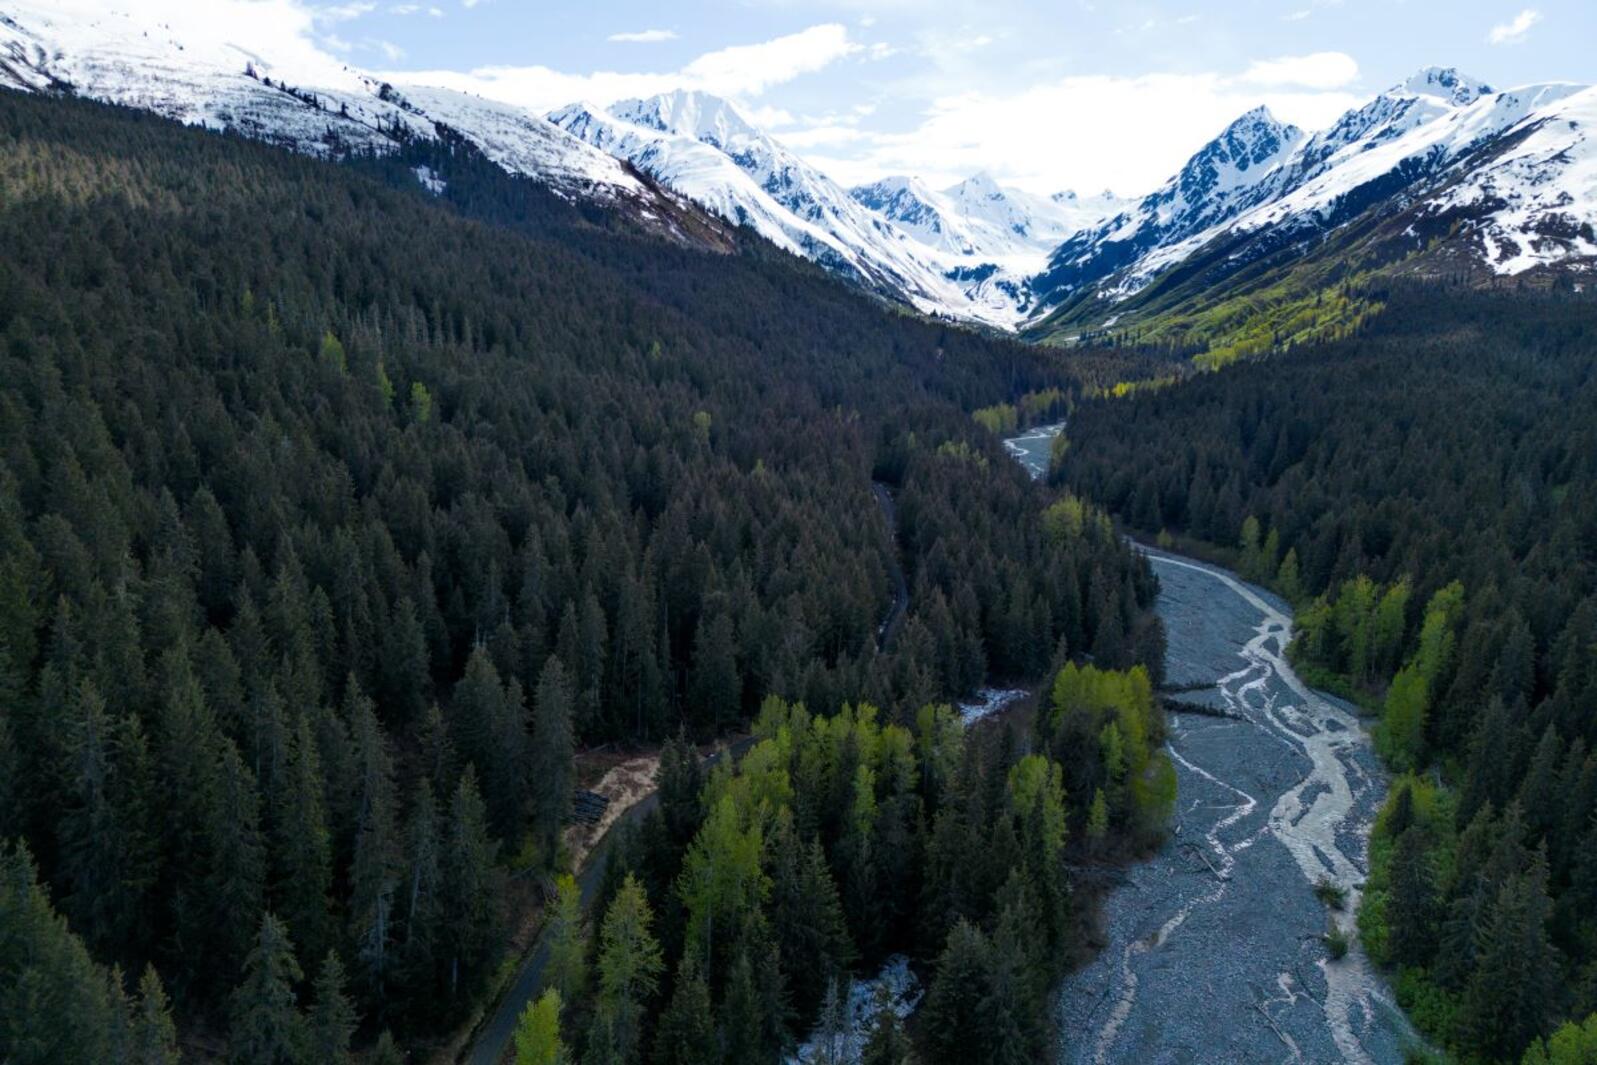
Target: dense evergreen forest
x,y
334,518
1426,493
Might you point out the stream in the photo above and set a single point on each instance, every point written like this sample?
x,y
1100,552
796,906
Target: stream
x,y
1213,948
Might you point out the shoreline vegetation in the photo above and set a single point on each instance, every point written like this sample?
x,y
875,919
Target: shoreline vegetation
x,y
1438,567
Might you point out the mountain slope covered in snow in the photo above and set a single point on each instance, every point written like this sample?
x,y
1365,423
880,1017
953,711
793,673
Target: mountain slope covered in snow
x,y
1484,182
1440,174
965,252
303,102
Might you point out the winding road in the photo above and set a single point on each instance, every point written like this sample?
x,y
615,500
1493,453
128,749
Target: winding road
x,y
1214,947
490,1041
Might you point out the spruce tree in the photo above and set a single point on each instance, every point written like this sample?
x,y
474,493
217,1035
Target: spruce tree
x,y
107,846
153,1035
685,1032
954,1020
333,1018
1510,997
888,1042
551,764
376,864
470,886
235,883
714,687
751,1018
421,899
488,721
807,917
302,846
1411,905
266,1026
56,1004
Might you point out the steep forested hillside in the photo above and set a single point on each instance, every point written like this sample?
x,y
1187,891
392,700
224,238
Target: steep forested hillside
x,y
1426,492
334,517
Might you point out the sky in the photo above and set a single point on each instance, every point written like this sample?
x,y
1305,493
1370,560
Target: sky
x,y
1080,94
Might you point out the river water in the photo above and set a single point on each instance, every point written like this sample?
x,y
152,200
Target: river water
x,y
1214,947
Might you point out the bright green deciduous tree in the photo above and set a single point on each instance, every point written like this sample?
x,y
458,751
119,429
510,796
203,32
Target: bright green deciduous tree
x,y
630,964
538,1032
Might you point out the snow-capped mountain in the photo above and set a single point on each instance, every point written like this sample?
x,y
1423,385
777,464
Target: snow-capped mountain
x,y
302,101
1214,185
979,219
1533,198
698,171
1507,181
706,148
1516,170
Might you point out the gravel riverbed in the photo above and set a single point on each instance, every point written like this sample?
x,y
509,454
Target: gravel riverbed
x,y
1214,949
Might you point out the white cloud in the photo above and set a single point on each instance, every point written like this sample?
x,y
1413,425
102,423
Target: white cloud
x,y
738,71
643,36
829,134
342,12
391,51
768,117
753,68
1514,32
1052,135
1322,70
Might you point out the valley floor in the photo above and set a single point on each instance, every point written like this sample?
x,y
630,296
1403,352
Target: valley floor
x,y
1214,950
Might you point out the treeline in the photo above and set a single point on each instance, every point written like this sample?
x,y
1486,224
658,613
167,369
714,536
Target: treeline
x,y
730,924
333,522
1427,495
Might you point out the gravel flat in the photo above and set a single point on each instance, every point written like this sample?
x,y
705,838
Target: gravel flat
x,y
1214,949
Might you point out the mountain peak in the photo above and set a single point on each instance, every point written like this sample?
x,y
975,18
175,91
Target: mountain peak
x,y
701,115
1447,83
979,186
1260,116
1254,141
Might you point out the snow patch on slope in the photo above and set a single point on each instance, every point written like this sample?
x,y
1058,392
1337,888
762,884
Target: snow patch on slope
x,y
707,149
1432,135
1540,194
305,100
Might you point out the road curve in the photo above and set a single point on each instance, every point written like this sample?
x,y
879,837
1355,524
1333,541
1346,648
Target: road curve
x,y
493,1037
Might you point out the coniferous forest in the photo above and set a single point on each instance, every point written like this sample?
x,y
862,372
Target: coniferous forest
x,y
336,518
1426,495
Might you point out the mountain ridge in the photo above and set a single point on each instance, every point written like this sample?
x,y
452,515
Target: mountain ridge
x,y
689,166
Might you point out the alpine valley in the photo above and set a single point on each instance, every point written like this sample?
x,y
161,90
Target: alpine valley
x,y
483,584
1257,243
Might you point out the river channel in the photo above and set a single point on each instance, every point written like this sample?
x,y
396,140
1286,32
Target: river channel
x,y
1214,947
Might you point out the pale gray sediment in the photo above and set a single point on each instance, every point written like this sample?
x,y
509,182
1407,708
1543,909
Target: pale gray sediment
x,y
1213,947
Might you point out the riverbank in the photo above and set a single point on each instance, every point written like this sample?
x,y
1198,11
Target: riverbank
x,y
1214,949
